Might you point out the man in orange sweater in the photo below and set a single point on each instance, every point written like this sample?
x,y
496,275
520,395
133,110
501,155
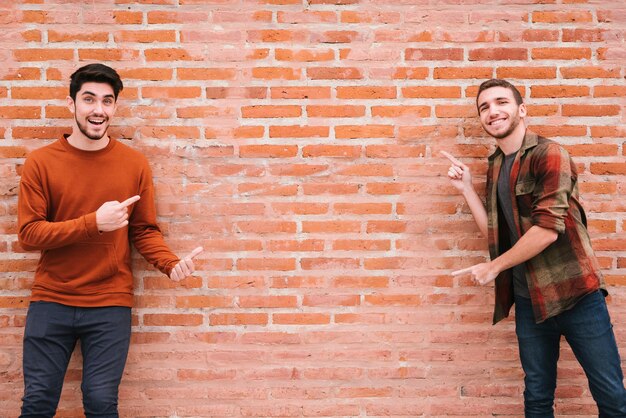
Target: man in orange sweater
x,y
82,200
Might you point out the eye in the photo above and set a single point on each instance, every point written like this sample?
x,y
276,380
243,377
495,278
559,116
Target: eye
x,y
87,99
108,102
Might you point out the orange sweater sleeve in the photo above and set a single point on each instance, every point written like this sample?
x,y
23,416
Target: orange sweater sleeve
x,y
144,232
35,232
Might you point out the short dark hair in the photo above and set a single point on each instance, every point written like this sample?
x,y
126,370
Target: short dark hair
x,y
497,82
98,73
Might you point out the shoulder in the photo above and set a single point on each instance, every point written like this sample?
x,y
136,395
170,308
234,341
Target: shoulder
x,y
130,154
45,154
550,157
45,151
547,148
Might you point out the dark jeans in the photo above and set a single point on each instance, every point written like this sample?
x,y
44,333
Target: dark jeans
x,y
589,332
49,339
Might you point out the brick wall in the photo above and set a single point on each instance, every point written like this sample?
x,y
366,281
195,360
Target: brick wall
x,y
298,142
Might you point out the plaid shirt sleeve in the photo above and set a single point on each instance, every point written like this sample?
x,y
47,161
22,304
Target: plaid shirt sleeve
x,y
553,186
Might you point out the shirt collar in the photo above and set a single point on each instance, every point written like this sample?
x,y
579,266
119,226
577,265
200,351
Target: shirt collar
x,y
530,140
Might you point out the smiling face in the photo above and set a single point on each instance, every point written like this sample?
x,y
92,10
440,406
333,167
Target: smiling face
x,y
499,113
93,109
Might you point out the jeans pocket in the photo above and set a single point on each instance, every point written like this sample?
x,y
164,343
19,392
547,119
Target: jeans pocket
x,y
36,323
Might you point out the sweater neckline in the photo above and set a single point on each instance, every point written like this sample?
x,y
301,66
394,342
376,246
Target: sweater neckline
x,y
84,153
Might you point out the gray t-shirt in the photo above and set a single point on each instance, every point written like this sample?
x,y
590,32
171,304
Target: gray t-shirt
x,y
520,286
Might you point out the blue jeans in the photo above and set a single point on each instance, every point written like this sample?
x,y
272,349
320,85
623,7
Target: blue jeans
x,y
589,332
51,333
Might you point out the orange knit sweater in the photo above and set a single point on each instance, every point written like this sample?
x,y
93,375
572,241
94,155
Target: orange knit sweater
x,y
60,190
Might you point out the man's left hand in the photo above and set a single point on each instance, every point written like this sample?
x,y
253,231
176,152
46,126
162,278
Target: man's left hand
x,y
482,273
185,266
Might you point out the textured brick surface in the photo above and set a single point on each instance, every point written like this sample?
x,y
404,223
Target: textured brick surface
x,y
298,142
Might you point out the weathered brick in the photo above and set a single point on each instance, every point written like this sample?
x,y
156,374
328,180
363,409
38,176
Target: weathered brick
x,y
298,143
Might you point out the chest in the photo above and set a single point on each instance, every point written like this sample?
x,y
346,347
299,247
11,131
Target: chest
x,y
78,186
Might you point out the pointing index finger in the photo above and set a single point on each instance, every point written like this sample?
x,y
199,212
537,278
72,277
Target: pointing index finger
x,y
130,201
451,158
195,252
462,271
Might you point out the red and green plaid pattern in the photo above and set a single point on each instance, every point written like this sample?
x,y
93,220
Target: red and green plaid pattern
x,y
544,192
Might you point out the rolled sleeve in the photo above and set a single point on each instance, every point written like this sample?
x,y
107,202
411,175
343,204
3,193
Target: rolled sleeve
x,y
553,174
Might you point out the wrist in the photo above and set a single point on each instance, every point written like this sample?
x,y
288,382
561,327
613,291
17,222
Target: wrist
x,y
468,191
496,266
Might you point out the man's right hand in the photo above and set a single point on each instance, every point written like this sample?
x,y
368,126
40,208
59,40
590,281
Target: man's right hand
x,y
458,173
114,215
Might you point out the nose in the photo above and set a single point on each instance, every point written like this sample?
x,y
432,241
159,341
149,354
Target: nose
x,y
98,107
493,110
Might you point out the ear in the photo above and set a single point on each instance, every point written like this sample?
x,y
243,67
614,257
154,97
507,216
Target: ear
x,y
522,110
70,104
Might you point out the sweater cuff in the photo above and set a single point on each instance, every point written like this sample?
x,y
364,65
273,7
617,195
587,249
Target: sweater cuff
x,y
167,270
91,226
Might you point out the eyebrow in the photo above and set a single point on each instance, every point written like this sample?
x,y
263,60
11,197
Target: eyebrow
x,y
87,92
496,99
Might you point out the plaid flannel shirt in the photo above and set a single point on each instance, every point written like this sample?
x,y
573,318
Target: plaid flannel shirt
x,y
544,192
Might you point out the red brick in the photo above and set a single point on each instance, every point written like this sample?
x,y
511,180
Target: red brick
x,y
591,110
238,319
336,37
347,111
562,17
20,112
440,54
300,319
462,73
269,111
300,92
153,74
559,91
172,319
298,143
334,73
279,264
451,92
340,151
39,54
305,55
267,151
77,36
526,72
363,131
276,73
365,92
590,72
497,54
171,92
609,91
560,53
236,92
206,73
145,36
588,35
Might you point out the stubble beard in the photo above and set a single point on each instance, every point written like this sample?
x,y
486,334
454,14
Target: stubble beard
x,y
82,127
514,123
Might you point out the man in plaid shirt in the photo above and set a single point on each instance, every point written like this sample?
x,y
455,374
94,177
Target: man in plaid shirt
x,y
541,255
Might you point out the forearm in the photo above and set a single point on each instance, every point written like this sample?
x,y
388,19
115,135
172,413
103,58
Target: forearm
x,y
477,208
42,234
529,245
149,242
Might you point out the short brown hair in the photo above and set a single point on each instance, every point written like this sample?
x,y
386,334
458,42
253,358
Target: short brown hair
x,y
497,82
98,73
